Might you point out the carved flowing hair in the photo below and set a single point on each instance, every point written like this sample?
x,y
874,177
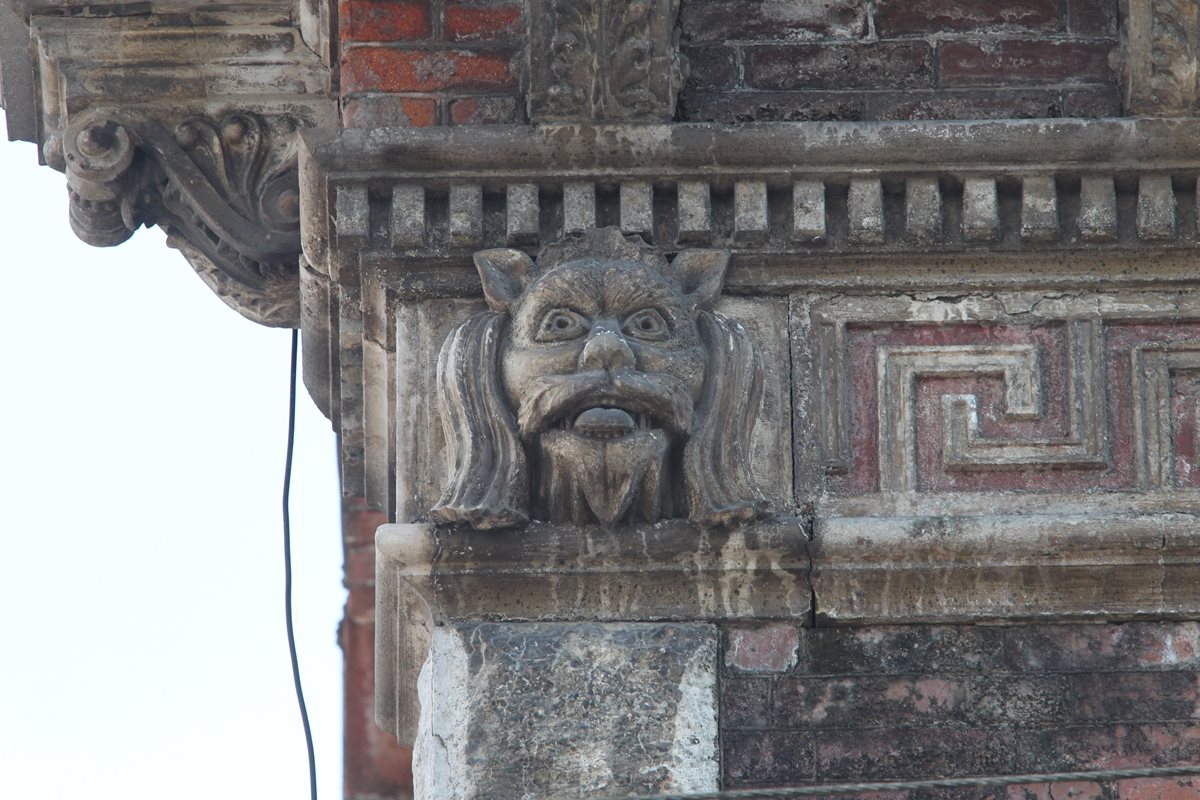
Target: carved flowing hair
x,y
488,486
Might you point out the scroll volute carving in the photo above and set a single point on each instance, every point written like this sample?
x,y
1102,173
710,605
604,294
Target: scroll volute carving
x,y
226,190
599,387
603,60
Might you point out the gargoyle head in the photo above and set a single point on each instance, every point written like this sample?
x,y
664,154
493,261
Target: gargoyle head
x,y
600,387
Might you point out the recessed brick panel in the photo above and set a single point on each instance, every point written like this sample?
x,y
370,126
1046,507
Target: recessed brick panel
x,y
726,20
1024,61
384,20
737,107
486,111
386,111
882,65
465,21
388,70
1093,17
969,104
711,67
907,703
904,17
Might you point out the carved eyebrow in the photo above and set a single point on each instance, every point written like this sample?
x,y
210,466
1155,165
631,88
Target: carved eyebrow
x,y
627,296
577,291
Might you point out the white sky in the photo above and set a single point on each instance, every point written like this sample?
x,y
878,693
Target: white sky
x,y
142,434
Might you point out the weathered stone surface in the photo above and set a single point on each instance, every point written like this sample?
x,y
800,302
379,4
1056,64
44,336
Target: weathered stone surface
x,y
428,575
186,118
596,60
567,711
1161,56
600,386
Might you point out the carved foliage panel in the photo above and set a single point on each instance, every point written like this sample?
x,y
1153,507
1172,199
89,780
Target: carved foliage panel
x,y
603,60
995,393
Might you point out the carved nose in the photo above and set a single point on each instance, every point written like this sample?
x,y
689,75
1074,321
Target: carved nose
x,y
606,350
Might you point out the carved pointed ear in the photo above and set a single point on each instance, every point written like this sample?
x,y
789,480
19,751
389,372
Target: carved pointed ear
x,y
701,274
505,274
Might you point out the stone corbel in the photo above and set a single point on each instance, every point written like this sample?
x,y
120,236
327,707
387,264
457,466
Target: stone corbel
x,y
224,189
190,122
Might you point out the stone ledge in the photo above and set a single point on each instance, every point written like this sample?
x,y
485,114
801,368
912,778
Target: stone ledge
x,y
1093,559
427,576
552,572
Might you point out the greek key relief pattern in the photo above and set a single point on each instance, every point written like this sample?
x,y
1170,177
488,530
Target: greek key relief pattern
x,y
1007,392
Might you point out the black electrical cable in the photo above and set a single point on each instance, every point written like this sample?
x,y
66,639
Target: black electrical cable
x,y
287,570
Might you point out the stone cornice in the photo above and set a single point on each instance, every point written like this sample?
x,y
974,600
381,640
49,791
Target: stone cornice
x,y
185,117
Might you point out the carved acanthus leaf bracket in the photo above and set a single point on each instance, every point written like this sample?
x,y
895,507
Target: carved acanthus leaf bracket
x,y
603,60
225,189
1163,57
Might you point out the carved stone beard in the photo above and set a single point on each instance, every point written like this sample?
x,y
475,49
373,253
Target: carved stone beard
x,y
586,479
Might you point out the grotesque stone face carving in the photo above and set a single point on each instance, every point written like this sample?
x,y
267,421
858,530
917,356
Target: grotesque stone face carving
x,y
600,387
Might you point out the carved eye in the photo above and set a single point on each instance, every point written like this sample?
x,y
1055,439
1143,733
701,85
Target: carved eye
x,y
561,325
648,325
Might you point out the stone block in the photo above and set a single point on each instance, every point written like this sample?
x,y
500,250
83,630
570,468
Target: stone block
x,y
1039,209
1097,209
865,210
808,211
557,710
750,216
922,210
981,210
1155,208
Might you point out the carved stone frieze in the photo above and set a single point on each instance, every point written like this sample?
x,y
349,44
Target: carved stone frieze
x,y
599,387
1163,56
602,60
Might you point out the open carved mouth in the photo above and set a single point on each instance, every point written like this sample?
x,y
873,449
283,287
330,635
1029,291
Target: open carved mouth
x,y
605,422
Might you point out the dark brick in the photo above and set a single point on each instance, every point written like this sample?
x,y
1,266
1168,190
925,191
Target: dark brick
x,y
879,65
482,20
1136,695
1157,789
1023,700
388,70
1104,648
1107,747
1066,790
726,20
900,17
384,20
860,702
904,650
767,648
711,67
1093,17
899,753
1022,61
745,703
767,757
734,107
966,104
382,111
486,111
1105,102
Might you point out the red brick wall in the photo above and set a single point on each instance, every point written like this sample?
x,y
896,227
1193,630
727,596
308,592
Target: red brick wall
x,y
850,705
429,62
375,765
898,59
